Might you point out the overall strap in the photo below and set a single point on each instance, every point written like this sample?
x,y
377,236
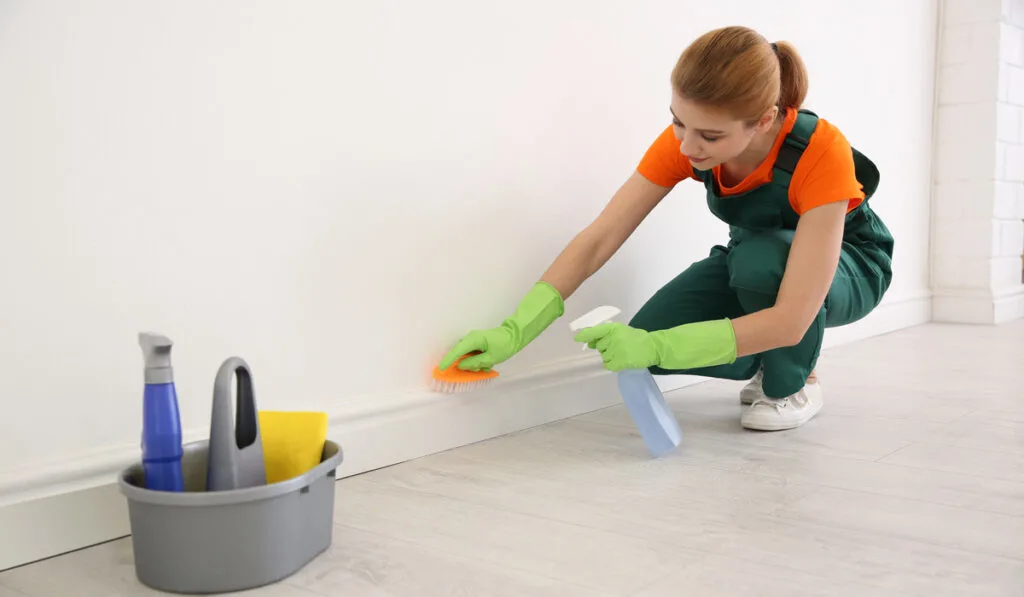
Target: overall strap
x,y
793,147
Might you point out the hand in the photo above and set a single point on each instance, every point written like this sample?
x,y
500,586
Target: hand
x,y
494,345
688,346
541,306
621,346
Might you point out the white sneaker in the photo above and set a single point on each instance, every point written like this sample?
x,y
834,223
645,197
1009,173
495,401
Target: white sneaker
x,y
753,390
774,414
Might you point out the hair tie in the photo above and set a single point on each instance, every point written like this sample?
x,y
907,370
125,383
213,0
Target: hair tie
x,y
775,48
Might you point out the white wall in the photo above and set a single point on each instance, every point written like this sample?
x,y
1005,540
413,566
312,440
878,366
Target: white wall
x,y
337,191
979,181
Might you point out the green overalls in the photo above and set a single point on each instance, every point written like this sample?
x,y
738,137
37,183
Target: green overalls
x,y
744,276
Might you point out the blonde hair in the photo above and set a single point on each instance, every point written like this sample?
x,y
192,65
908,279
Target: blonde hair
x,y
736,69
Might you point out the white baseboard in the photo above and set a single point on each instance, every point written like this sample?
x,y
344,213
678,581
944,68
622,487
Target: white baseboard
x,y
379,435
39,528
1009,307
46,511
978,306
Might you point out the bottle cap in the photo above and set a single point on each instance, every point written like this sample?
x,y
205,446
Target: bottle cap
x,y
156,351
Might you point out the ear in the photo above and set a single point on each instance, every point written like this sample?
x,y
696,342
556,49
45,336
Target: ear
x,y
766,120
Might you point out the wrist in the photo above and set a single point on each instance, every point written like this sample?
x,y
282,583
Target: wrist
x,y
547,291
543,302
537,310
698,344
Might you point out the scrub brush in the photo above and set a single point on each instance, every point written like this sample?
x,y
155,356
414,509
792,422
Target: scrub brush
x,y
453,380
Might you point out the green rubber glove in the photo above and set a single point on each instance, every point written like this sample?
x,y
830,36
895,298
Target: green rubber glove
x,y
537,310
688,346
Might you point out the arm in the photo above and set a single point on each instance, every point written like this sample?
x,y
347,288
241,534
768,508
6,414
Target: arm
x,y
584,255
813,258
812,263
596,244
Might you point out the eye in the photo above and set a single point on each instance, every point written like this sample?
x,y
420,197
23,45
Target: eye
x,y
704,136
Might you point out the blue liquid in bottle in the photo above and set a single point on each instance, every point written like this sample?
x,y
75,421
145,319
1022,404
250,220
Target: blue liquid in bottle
x,y
161,421
652,416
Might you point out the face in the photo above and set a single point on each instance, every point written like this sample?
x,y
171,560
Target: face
x,y
708,137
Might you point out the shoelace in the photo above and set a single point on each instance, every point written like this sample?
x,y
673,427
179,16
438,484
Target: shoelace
x,y
777,404
780,403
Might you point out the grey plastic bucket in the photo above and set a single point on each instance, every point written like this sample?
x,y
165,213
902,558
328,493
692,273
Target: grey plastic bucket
x,y
214,542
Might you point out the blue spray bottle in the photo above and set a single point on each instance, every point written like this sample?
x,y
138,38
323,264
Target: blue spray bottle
x,y
643,398
161,422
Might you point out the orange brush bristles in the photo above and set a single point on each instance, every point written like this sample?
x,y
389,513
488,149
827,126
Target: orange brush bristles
x,y
453,379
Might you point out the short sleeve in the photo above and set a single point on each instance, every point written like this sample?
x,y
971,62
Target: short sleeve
x,y
826,172
664,164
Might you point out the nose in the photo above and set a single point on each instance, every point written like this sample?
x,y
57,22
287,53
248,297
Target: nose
x,y
688,146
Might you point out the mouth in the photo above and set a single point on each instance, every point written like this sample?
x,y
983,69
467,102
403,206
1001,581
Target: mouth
x,y
696,160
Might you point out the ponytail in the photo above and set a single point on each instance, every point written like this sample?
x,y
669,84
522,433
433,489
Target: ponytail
x,y
792,76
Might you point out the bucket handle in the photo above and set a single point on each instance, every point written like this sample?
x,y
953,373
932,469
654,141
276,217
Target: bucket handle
x,y
246,430
236,449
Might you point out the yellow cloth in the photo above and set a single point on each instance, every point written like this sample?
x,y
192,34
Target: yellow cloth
x,y
293,442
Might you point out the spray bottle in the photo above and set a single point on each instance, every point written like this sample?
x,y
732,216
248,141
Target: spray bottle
x,y
161,422
646,404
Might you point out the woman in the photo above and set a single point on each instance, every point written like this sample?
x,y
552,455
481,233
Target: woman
x,y
805,251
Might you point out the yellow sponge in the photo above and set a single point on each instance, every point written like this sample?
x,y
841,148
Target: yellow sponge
x,y
293,442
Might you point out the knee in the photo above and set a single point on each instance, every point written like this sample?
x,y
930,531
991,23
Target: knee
x,y
758,263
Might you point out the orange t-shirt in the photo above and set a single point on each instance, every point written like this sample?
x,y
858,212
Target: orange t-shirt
x,y
824,174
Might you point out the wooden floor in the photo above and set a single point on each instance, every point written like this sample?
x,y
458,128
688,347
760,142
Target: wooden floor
x,y
910,482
